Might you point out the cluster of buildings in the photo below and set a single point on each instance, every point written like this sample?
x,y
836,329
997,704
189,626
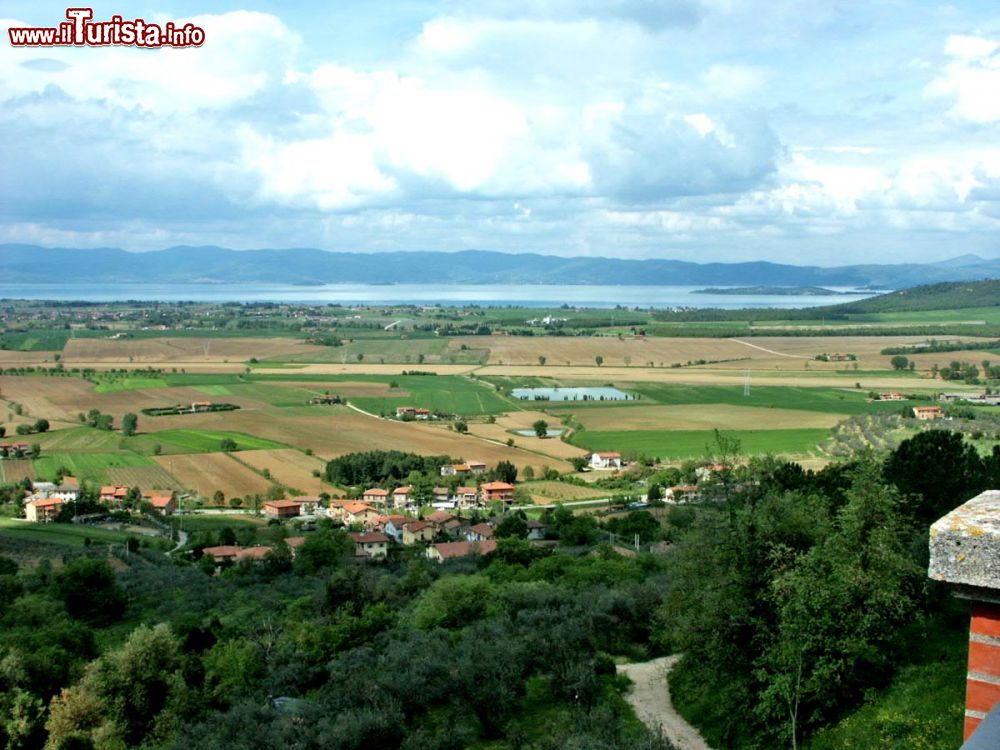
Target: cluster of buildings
x,y
379,532
14,450
402,412
47,499
979,399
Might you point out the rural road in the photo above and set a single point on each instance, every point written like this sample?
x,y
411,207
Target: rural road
x,y
769,351
182,539
650,697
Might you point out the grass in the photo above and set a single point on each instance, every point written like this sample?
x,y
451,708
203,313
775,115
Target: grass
x,y
923,707
197,441
89,466
64,534
694,443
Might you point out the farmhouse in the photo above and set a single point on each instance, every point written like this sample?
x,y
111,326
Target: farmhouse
x,y
371,544
479,533
67,490
234,553
360,513
282,508
441,494
927,413
253,553
493,491
891,396
401,497
14,450
43,510
376,496
294,542
681,493
439,517
114,495
418,531
476,467
536,530
606,460
164,503
307,505
466,496
450,470
707,472
393,526
453,550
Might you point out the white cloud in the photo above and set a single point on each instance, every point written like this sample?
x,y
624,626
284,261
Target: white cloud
x,y
971,79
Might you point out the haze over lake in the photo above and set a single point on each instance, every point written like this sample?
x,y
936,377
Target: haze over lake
x,y
541,295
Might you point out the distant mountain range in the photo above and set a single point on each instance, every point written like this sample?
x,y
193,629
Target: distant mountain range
x,y
215,265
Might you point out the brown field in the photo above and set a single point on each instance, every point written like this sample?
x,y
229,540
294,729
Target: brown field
x,y
207,472
764,352
176,350
548,493
289,467
339,430
16,469
53,398
701,417
143,477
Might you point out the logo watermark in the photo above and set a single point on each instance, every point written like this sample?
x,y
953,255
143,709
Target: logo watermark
x,y
80,30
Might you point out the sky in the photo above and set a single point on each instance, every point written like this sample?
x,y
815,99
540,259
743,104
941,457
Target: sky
x,y
794,131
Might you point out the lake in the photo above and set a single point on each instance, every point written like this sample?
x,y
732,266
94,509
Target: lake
x,y
571,394
520,295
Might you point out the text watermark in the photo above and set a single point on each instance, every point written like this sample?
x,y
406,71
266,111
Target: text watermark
x,y
80,30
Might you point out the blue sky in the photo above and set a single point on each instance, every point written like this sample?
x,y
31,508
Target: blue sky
x,y
788,130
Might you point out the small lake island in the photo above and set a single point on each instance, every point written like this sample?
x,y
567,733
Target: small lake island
x,y
796,291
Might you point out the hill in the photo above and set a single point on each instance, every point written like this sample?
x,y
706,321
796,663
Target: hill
x,y
943,296
213,265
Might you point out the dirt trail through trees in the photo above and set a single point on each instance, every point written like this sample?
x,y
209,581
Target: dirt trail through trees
x,y
650,697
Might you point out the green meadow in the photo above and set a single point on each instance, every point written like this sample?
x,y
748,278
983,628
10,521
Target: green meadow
x,y
696,443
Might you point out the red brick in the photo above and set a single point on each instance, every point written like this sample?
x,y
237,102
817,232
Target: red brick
x,y
981,696
985,619
984,658
971,722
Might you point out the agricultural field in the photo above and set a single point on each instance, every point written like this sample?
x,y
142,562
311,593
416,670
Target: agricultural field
x,y
143,477
291,468
197,440
832,400
207,472
702,417
393,350
506,426
16,469
67,535
680,444
87,466
178,350
549,493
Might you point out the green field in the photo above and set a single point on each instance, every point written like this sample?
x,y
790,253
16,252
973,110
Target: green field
x,y
118,385
447,393
196,441
59,533
830,400
89,466
272,394
79,439
695,443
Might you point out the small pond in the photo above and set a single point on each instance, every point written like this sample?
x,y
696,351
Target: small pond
x,y
571,394
531,433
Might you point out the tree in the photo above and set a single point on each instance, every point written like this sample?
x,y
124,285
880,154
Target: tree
x,y
541,359
899,362
541,428
579,463
599,360
461,426
227,444
938,470
219,498
41,425
90,591
3,431
513,525
505,472
129,424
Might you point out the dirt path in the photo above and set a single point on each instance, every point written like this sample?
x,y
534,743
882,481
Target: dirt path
x,y
650,697
770,351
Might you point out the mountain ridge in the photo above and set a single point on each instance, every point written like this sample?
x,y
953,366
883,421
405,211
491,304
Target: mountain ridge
x,y
210,264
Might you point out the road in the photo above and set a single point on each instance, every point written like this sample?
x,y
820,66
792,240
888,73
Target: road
x,y
650,697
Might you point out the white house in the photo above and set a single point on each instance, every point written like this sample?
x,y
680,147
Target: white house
x,y
606,460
